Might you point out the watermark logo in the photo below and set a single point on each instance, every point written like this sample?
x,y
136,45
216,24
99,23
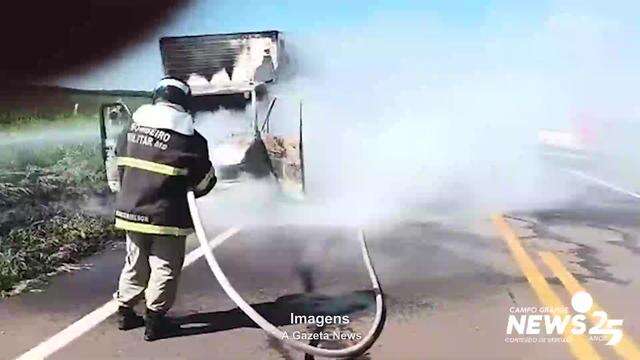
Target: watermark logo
x,y
322,328
523,322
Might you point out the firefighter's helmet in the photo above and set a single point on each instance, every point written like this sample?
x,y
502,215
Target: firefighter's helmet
x,y
174,91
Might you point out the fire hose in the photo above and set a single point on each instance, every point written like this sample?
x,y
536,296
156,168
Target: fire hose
x,y
363,345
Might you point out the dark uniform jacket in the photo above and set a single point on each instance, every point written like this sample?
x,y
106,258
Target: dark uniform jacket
x,y
160,156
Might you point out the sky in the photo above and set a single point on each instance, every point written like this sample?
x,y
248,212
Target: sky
x,y
507,29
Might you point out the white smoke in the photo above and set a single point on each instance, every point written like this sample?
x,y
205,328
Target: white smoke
x,y
397,120
221,124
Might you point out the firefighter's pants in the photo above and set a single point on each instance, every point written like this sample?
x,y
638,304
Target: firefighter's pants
x,y
152,268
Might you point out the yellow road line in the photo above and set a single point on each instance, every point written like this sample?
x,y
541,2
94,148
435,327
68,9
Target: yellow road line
x,y
580,347
625,348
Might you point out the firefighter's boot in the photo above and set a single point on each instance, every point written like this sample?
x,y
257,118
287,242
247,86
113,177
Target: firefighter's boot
x,y
128,319
158,326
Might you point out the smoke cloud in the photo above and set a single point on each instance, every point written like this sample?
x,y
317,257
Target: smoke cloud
x,y
397,122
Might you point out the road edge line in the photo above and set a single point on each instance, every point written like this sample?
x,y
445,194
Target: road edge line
x,y
80,327
603,183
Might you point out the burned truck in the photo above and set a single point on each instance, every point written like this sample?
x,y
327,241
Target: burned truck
x,y
229,72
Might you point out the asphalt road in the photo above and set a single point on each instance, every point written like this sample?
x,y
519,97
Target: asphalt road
x,y
450,284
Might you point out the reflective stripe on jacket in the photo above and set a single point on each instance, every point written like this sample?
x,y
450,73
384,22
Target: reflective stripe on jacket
x,y
157,166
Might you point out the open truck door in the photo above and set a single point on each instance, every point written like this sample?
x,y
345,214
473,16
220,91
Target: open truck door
x,y
114,118
284,144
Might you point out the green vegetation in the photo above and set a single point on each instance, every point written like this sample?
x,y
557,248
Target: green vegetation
x,y
55,207
56,103
14,123
54,202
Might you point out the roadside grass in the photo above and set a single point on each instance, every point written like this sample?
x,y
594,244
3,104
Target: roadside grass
x,y
40,248
45,186
20,122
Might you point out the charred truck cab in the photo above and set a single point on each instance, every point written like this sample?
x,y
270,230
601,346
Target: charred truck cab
x,y
233,72
230,72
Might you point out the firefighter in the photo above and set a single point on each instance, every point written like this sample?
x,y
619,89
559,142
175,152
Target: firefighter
x,y
160,156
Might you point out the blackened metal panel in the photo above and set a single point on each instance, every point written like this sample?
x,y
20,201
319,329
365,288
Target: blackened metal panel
x,y
206,55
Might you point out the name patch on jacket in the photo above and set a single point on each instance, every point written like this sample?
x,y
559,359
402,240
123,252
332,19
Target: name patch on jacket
x,y
132,217
148,136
